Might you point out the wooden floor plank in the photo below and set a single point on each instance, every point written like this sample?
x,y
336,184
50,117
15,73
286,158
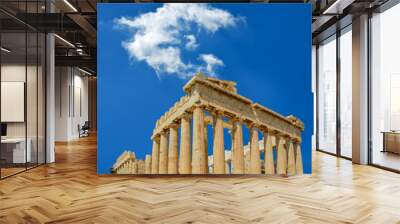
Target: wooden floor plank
x,y
70,191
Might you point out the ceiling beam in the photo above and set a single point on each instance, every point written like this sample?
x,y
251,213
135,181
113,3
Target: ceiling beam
x,y
86,27
77,61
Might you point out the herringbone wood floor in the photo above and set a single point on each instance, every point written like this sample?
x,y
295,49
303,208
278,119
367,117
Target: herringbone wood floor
x,y
69,191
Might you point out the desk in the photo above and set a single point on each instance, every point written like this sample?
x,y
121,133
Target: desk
x,y
391,141
13,150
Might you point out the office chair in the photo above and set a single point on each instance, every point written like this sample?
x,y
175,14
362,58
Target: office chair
x,y
84,130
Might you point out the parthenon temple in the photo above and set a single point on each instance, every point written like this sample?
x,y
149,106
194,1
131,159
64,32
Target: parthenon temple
x,y
215,102
128,164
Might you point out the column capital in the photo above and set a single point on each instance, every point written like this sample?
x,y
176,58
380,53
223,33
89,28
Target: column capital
x,y
251,125
263,129
281,135
237,119
269,130
276,132
296,140
156,137
173,125
293,139
164,131
289,139
186,115
217,112
199,104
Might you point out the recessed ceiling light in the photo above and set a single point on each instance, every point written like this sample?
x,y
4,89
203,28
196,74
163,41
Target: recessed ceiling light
x,y
84,71
5,50
70,5
337,7
64,40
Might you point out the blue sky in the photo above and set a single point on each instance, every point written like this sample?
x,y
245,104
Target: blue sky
x,y
265,48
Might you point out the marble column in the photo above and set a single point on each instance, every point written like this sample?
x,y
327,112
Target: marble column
x,y
286,147
126,168
129,167
199,155
206,142
299,162
141,167
255,163
122,170
281,151
132,162
218,145
227,170
163,167
185,166
237,148
148,164
173,149
268,154
291,164
135,167
247,162
155,155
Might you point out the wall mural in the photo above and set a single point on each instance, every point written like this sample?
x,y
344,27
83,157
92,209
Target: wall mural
x,y
204,89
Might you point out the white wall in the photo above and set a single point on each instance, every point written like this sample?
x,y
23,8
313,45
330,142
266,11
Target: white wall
x,y
62,82
71,102
17,73
81,108
33,127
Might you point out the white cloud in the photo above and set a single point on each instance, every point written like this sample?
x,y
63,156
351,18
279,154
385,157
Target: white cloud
x,y
211,62
157,36
191,43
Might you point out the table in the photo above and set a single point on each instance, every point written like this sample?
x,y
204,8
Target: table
x,y
391,141
13,150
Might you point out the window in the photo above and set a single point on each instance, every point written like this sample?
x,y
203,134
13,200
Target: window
x,y
335,94
346,92
327,95
385,89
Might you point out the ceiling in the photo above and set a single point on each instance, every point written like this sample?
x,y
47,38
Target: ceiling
x,y
75,23
329,16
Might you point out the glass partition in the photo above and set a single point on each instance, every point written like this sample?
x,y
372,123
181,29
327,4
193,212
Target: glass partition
x,y
334,94
385,89
327,95
14,153
346,92
22,77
